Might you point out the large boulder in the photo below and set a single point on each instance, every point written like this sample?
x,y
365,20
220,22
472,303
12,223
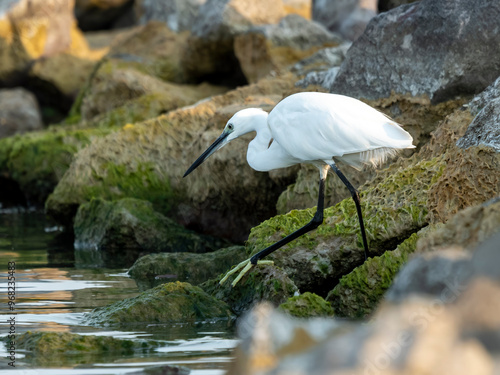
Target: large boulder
x,y
148,160
274,48
19,112
428,48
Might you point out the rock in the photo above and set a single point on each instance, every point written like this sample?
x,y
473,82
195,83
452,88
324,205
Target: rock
x,y
36,161
347,17
66,343
154,269
61,75
267,283
213,32
454,328
36,28
172,302
178,15
385,5
322,60
123,229
481,100
306,305
466,229
274,48
103,14
427,48
112,88
147,161
485,129
358,293
19,112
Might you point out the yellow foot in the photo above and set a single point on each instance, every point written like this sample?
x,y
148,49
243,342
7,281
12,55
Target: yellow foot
x,y
246,265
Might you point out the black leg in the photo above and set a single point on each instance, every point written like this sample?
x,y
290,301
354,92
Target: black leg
x,y
355,197
313,224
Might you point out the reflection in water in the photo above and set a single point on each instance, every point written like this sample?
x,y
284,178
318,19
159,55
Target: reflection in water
x,y
52,295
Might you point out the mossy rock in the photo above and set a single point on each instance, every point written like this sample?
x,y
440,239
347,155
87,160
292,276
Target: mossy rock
x,y
307,305
38,160
123,229
65,343
261,283
393,207
154,269
358,293
172,302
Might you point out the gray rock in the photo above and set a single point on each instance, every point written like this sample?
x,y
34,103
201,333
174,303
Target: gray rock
x,y
347,17
438,274
480,101
19,112
179,15
431,48
484,129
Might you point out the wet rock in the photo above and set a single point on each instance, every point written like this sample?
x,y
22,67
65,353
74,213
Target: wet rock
x,y
347,17
307,305
147,161
19,112
273,48
154,269
427,48
213,32
172,302
263,283
66,343
103,14
123,229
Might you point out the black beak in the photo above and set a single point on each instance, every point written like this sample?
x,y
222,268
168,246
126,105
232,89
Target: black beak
x,y
219,142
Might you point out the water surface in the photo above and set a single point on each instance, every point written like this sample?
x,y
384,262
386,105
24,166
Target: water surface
x,y
53,295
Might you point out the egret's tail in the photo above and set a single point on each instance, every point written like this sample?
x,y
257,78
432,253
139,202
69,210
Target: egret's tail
x,y
374,157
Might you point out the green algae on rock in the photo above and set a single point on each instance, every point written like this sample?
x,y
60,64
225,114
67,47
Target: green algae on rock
x,y
44,343
260,284
307,305
154,269
129,226
38,160
172,302
358,293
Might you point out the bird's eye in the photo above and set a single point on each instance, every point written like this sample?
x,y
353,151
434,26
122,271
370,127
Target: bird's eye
x,y
230,127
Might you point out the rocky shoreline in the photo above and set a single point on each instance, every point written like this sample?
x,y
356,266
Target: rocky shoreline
x,y
101,136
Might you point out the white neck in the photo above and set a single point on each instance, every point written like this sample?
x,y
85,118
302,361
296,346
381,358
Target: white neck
x,y
262,156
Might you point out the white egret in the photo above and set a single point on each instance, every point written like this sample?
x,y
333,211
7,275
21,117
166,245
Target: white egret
x,y
315,128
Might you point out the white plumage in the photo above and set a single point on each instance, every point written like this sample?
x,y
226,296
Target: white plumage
x,y
315,128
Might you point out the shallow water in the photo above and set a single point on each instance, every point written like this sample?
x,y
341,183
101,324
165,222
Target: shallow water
x,y
53,295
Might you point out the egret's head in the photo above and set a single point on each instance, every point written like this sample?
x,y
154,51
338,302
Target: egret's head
x,y
241,123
